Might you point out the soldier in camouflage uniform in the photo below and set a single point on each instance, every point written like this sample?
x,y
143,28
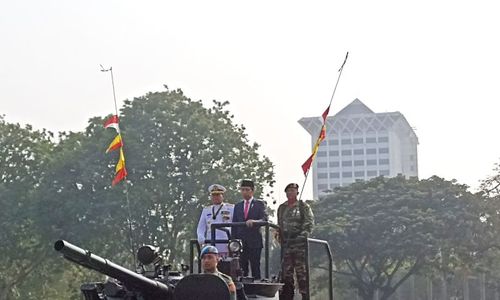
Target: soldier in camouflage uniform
x,y
296,221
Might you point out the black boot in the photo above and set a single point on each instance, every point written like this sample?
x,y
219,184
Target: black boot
x,y
287,293
286,296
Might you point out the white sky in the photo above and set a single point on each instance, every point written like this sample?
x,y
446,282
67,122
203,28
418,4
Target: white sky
x,y
437,62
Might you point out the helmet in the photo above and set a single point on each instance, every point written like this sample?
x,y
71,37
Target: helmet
x,y
207,250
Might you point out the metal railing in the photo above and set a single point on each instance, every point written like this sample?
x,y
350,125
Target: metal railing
x,y
330,265
267,225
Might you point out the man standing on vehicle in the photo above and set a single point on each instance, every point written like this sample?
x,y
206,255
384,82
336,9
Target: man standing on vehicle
x,y
218,212
296,221
250,210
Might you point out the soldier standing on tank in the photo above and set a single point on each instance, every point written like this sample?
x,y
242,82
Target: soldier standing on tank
x,y
218,212
296,222
209,256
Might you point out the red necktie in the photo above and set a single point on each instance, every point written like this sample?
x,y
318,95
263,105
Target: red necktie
x,y
247,206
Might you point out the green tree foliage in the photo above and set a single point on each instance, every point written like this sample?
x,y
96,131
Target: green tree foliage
x,y
24,156
53,188
384,230
490,253
174,149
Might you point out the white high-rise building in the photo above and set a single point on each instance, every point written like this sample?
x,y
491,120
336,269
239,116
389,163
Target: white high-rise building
x,y
360,145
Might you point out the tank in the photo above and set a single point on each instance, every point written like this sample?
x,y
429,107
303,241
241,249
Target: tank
x,y
161,284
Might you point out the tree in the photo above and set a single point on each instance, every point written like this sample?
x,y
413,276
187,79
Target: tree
x,y
24,155
384,230
174,149
489,254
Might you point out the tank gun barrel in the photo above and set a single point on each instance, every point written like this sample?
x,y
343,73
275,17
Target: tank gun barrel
x,y
131,279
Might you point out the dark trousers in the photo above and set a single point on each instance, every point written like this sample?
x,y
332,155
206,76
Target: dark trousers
x,y
251,256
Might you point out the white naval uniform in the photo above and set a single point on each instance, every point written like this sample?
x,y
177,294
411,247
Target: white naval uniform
x,y
224,215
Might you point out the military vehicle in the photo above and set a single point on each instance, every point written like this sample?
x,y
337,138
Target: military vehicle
x,y
154,280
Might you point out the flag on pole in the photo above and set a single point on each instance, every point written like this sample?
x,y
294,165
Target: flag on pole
x,y
112,122
115,144
120,170
322,134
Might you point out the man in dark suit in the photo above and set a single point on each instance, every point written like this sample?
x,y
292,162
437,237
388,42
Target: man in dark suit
x,y
249,210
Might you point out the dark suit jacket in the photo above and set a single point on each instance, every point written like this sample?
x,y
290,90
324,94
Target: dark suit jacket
x,y
251,236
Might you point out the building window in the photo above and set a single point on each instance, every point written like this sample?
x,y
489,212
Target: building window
x,y
333,142
334,164
346,152
359,174
357,141
322,164
347,174
371,173
359,151
371,162
383,139
322,175
371,151
321,153
371,140
383,150
347,163
383,161
334,185
335,175
334,153
346,141
359,163
384,172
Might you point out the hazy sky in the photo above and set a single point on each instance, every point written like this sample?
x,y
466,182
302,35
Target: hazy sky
x,y
437,62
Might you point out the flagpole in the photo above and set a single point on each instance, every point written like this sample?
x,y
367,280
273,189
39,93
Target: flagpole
x,y
129,221
303,185
331,100
114,93
338,78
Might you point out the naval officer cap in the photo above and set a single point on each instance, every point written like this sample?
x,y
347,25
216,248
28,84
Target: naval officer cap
x,y
215,189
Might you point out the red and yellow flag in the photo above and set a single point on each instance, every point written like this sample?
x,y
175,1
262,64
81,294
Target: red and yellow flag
x,y
115,144
322,135
120,170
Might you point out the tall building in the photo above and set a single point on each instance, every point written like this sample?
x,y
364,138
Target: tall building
x,y
359,145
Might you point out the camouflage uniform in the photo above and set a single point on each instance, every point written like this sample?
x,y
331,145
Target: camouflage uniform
x,y
296,224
